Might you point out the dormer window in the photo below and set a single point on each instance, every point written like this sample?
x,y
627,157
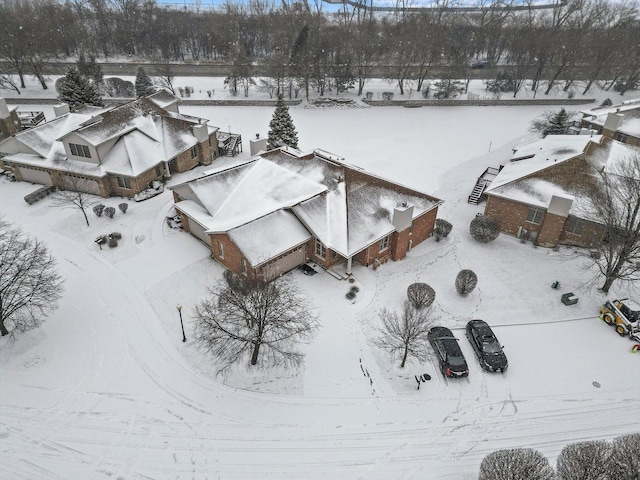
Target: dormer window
x,y
80,150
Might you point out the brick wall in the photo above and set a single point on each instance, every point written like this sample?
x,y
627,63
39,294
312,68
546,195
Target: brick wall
x,y
550,230
138,183
509,215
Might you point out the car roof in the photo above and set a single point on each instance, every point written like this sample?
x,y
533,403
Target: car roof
x,y
440,332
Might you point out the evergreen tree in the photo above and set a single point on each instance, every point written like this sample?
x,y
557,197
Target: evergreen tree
x,y
144,85
281,129
558,124
77,91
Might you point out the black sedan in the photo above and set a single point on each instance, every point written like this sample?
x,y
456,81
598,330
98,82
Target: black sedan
x,y
450,357
486,345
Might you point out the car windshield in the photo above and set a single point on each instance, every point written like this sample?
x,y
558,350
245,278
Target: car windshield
x,y
491,346
456,361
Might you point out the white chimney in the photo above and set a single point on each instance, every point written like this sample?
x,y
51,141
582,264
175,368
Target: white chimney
x,y
257,145
201,132
560,205
4,110
613,121
402,216
61,109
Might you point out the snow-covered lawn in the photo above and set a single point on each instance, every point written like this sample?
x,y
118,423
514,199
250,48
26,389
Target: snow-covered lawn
x,y
106,388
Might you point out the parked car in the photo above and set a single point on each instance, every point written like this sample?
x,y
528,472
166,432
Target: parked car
x,y
450,357
480,64
486,345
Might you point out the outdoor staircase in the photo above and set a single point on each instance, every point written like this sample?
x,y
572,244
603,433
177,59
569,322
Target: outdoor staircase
x,y
232,145
481,185
477,192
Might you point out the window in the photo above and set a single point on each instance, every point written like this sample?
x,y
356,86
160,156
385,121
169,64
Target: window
x,y
80,150
384,243
621,137
535,215
158,171
194,151
123,182
244,266
220,250
411,229
574,225
321,250
209,140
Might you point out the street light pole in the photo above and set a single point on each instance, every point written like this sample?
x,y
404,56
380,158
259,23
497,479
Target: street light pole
x,y
179,308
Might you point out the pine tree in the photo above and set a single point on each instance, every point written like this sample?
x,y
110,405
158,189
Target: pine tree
x,y
558,124
144,85
78,91
281,129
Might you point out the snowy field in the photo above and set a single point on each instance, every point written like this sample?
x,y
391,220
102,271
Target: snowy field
x,y
106,388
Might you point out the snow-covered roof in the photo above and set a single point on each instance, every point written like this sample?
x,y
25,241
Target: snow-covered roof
x,y
143,135
344,207
269,236
632,104
540,155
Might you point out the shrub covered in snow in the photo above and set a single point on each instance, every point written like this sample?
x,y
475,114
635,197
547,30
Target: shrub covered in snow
x,y
484,229
515,463
420,295
441,229
466,281
584,460
39,194
351,294
123,207
98,209
110,212
625,457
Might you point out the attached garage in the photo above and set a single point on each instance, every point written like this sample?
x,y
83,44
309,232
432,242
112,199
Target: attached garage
x,y
35,175
286,262
81,184
197,231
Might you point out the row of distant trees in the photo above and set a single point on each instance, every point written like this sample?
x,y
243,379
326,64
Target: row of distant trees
x,y
299,43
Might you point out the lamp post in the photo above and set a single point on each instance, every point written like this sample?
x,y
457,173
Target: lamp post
x,y
179,308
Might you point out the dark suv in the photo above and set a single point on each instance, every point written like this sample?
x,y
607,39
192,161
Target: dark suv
x,y
450,357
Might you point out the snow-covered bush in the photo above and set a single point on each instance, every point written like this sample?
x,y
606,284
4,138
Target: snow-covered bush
x,y
484,229
123,207
582,460
116,235
420,295
98,209
466,281
442,229
39,194
112,241
625,457
606,102
387,96
351,294
515,464
110,212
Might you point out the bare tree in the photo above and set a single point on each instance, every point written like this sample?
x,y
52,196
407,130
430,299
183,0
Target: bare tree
x,y
616,203
166,77
625,461
515,464
420,295
466,281
584,461
7,81
404,334
29,284
263,321
74,196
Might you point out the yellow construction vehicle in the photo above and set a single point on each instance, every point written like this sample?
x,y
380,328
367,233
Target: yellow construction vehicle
x,y
624,315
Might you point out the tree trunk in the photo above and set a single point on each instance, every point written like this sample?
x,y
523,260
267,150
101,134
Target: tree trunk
x,y
404,357
86,219
254,355
3,329
607,284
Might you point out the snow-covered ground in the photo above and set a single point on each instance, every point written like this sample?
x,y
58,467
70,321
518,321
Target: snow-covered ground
x,y
106,388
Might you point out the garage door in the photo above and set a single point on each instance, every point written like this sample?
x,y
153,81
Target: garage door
x,y
285,263
197,231
81,184
35,175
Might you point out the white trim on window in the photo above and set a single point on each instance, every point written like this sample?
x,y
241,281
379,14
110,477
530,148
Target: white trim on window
x,y
384,243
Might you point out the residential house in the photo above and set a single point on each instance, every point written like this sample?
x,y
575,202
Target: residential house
x,y
13,121
543,192
112,151
620,122
284,208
